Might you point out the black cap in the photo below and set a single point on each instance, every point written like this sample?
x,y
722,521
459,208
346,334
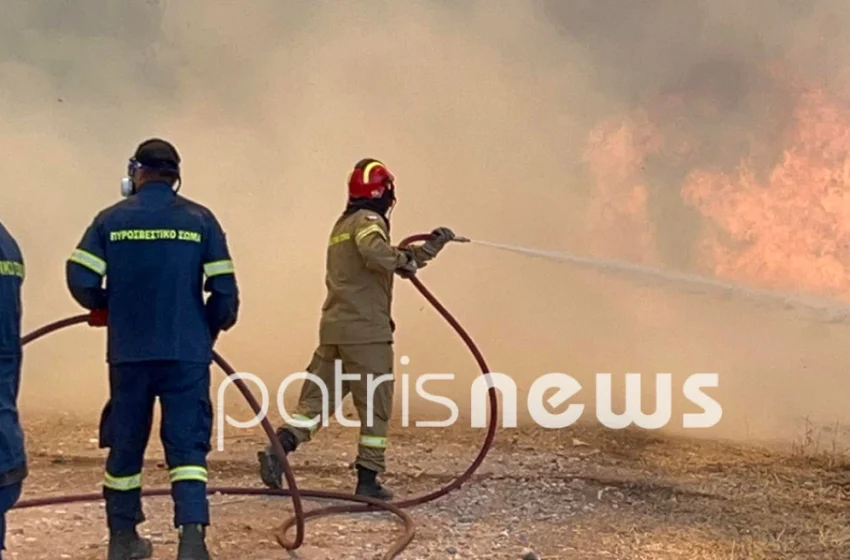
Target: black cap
x,y
156,152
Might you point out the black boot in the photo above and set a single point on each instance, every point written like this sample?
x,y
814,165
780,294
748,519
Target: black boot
x,y
271,471
192,545
128,545
368,485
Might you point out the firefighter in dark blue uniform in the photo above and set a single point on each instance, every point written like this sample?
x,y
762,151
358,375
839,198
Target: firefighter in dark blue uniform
x,y
13,459
155,248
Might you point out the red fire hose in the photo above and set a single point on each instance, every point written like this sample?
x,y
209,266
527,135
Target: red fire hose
x,y
300,516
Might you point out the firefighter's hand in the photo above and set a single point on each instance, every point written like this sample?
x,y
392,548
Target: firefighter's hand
x,y
439,238
97,318
408,269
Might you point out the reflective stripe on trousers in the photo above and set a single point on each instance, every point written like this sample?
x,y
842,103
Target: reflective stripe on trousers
x,y
187,473
373,441
123,483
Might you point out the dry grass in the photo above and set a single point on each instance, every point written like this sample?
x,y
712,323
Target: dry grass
x,y
822,443
581,494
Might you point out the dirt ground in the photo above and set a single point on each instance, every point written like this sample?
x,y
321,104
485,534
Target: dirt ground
x,y
579,493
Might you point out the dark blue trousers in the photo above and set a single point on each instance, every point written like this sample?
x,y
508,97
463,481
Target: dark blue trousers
x,y
183,390
8,497
12,450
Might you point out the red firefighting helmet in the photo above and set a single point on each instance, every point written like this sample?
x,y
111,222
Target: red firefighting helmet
x,y
370,179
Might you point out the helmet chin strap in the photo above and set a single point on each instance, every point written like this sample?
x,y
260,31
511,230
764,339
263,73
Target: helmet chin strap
x,y
391,192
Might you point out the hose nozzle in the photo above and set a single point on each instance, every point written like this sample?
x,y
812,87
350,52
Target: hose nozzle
x,y
460,239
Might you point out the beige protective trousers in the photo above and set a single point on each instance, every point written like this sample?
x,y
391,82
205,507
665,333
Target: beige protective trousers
x,y
372,398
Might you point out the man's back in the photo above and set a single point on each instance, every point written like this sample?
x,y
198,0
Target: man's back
x,y
11,279
155,249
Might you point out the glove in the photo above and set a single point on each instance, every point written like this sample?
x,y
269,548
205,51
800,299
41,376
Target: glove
x,y
439,238
408,269
97,318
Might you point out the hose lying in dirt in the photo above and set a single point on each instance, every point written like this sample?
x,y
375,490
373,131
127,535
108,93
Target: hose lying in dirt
x,y
300,516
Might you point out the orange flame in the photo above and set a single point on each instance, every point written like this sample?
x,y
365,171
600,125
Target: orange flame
x,y
618,211
785,227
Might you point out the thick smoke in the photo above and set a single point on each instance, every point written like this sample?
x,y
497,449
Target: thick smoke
x,y
481,111
642,49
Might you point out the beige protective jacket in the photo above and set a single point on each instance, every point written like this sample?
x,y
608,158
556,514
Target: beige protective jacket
x,y
359,279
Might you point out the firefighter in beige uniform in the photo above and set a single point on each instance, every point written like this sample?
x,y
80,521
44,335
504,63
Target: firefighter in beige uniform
x,y
356,328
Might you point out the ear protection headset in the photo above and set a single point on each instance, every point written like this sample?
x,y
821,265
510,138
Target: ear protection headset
x,y
143,160
128,187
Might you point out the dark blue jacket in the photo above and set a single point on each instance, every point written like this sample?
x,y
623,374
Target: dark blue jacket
x,y
12,452
154,249
11,280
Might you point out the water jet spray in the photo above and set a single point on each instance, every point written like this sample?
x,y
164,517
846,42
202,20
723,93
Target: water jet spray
x,y
823,309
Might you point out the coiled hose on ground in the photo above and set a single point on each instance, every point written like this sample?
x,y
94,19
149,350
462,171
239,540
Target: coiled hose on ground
x,y
300,517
